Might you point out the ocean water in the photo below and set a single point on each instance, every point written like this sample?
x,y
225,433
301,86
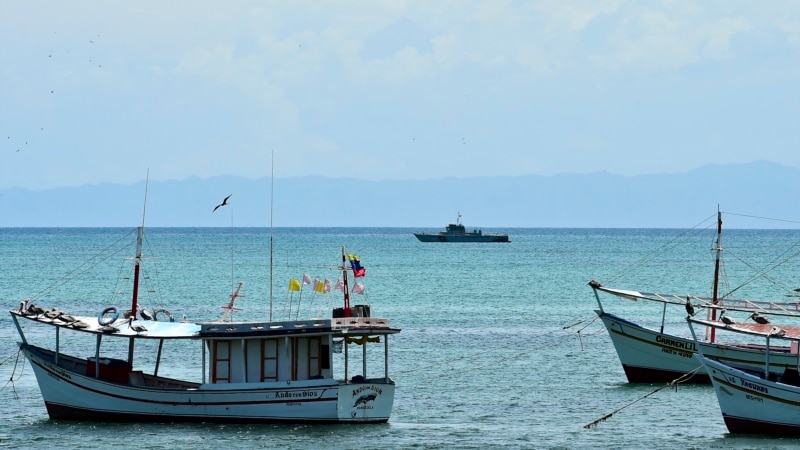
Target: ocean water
x,y
499,344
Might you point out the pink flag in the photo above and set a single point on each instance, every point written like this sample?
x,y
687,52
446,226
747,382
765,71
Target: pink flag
x,y
339,285
358,288
327,287
306,279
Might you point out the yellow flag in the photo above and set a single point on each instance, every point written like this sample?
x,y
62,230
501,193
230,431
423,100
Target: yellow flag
x,y
294,285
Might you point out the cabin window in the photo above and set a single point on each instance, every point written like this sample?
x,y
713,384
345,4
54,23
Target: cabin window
x,y
269,360
306,358
221,357
314,351
325,357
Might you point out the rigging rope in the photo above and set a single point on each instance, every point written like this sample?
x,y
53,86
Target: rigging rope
x,y
762,273
672,242
94,260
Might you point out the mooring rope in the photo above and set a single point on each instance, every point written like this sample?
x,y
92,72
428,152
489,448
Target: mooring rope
x,y
672,383
580,336
13,371
492,350
7,359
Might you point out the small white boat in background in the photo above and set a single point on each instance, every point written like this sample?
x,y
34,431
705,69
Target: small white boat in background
x,y
249,371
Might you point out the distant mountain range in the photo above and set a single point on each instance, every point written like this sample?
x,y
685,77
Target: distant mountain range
x,y
594,200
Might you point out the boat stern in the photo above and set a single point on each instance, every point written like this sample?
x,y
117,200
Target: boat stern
x,y
368,401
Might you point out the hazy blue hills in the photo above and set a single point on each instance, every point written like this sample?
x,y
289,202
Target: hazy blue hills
x,y
595,200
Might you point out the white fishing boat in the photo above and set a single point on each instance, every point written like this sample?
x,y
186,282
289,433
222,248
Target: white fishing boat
x,y
656,354
756,400
241,371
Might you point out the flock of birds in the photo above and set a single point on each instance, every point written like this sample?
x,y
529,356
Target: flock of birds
x,y
729,321
28,309
22,143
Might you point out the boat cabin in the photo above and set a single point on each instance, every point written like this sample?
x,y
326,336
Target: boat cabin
x,y
287,351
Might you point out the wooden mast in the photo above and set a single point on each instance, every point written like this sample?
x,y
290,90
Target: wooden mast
x,y
136,269
137,260
718,251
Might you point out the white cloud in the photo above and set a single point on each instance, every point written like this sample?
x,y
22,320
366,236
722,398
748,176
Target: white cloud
x,y
379,85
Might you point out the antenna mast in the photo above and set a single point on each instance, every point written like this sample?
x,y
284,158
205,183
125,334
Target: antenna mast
x,y
271,202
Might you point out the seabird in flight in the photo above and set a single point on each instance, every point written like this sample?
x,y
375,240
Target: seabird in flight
x,y
224,202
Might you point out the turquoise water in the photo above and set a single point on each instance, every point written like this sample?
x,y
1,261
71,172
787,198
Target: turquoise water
x,y
498,345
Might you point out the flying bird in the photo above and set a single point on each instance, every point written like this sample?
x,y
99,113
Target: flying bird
x,y
224,202
757,318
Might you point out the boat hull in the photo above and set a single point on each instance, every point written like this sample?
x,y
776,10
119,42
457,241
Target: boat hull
x,y
648,356
70,395
441,237
752,405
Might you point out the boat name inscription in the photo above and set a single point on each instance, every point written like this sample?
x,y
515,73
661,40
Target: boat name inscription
x,y
58,371
683,345
754,398
300,394
371,387
753,386
672,351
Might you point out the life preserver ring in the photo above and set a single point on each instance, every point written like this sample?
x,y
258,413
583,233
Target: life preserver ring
x,y
162,310
103,321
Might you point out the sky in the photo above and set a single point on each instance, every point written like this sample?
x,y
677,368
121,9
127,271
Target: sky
x,y
99,91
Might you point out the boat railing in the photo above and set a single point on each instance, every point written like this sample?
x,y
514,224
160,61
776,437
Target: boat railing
x,y
238,328
359,322
733,304
262,327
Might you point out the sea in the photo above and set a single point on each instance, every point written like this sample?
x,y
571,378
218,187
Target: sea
x,y
500,346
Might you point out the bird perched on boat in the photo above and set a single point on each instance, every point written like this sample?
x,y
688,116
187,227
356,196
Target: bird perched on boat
x,y
775,331
52,313
224,202
757,318
689,307
725,319
34,310
66,318
137,328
